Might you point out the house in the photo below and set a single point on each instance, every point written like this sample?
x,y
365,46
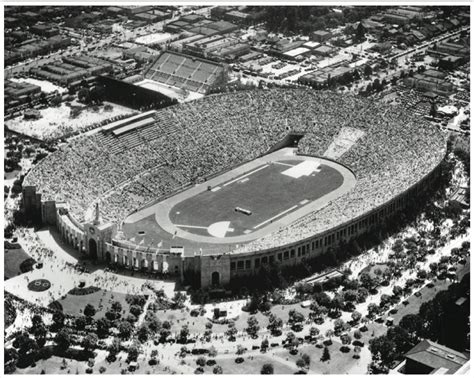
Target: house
x,y
321,36
428,357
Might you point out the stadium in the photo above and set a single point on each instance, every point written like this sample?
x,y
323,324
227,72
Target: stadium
x,y
217,187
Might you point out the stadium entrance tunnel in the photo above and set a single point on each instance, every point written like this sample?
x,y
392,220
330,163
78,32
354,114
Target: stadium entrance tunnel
x,y
92,249
215,279
290,141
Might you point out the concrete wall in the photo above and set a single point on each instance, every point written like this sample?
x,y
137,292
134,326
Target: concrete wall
x,y
219,264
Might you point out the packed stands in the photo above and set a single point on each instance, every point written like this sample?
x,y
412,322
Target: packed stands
x,y
187,143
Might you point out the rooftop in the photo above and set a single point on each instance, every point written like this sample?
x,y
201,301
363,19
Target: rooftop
x,y
437,356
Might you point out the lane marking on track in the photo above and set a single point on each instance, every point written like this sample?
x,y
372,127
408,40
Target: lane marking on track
x,y
276,216
285,164
247,174
188,226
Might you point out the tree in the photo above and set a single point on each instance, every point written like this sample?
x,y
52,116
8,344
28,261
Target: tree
x,y
116,306
217,370
55,101
36,321
300,363
133,353
83,95
25,345
254,303
275,325
10,360
357,350
413,324
267,369
103,328
306,359
357,334
89,310
143,333
114,347
183,334
373,310
58,319
89,342
212,351
136,310
338,326
39,330
165,331
201,361
240,350
62,340
367,281
326,356
383,350
367,70
345,339
377,85
329,334
359,35
356,316
397,291
179,299
208,332
252,327
264,345
231,332
125,329
313,332
183,352
80,323
295,318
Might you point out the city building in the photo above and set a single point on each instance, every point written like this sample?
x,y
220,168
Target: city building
x,y
428,357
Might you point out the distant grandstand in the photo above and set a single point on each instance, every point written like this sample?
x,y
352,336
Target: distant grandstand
x,y
186,72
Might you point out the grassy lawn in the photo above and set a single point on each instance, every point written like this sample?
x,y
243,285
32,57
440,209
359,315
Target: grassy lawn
x,y
197,324
415,302
101,300
282,311
53,366
12,260
370,269
251,365
338,363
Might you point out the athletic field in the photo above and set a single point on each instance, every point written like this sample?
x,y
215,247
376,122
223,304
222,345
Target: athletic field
x,y
240,205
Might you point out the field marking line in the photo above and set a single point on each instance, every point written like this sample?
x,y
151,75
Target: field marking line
x,y
304,202
276,216
244,180
215,189
247,174
286,164
187,226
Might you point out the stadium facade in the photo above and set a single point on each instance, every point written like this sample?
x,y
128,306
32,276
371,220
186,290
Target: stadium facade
x,y
381,193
